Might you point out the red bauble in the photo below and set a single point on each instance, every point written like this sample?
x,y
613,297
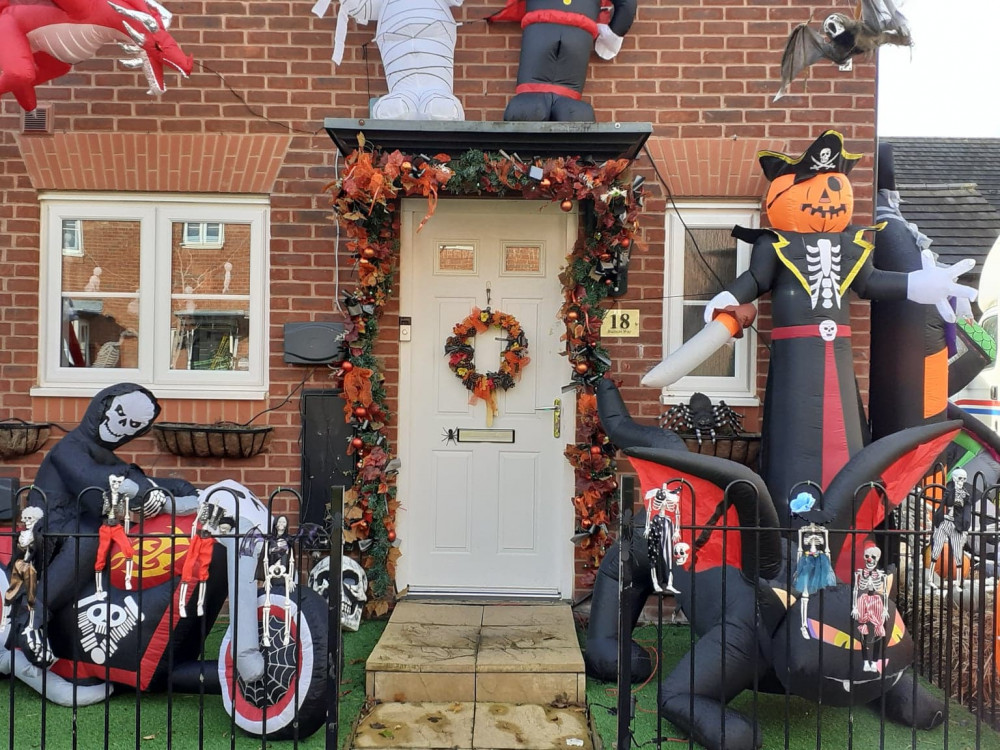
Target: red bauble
x,y
582,367
391,536
572,315
595,450
346,366
566,205
368,252
625,242
360,412
357,443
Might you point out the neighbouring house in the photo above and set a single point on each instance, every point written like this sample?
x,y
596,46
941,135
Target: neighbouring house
x,y
950,188
189,231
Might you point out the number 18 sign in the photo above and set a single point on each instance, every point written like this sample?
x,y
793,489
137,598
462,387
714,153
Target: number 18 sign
x,y
622,323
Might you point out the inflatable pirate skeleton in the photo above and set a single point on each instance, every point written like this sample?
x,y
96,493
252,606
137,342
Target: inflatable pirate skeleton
x,y
416,39
556,40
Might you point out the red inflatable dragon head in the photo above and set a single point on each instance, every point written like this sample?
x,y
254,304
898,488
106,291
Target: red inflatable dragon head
x,y
40,41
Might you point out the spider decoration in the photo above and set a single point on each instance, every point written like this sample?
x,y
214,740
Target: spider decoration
x,y
449,436
701,417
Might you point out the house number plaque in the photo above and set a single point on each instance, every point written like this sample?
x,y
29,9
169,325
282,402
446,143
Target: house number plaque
x,y
621,323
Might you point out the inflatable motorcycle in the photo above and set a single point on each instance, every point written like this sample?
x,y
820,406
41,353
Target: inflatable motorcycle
x,y
116,577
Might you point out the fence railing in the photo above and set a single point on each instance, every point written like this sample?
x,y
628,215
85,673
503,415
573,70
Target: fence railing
x,y
907,636
194,629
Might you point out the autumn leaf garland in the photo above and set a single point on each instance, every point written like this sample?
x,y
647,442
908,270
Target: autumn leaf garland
x,y
365,200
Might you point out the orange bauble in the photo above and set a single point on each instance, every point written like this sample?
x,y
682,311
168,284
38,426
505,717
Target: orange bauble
x,y
824,203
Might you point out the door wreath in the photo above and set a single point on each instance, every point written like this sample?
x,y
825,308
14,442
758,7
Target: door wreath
x,y
462,356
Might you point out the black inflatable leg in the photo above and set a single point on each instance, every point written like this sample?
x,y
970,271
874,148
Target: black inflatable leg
x,y
911,705
194,676
565,109
601,657
70,570
695,700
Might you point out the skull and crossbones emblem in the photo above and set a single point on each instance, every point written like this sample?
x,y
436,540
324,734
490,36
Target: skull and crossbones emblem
x,y
825,160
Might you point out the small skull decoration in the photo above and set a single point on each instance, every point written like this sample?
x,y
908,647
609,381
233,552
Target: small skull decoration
x,y
353,597
828,330
701,417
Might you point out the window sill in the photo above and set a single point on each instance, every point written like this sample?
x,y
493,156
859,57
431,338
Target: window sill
x,y
732,399
192,393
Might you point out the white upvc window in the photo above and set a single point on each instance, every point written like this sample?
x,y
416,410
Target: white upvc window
x,y
702,256
139,304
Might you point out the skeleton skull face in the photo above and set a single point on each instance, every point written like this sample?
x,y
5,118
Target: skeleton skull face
x,y
959,477
127,415
30,516
833,27
319,577
115,482
828,330
872,556
280,525
681,552
354,582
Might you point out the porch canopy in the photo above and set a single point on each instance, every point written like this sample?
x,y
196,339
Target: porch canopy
x,y
597,142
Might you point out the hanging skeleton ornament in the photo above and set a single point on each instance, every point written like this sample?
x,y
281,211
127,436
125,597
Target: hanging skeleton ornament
x,y
662,532
701,417
211,522
813,569
277,563
354,584
871,606
23,574
952,521
114,531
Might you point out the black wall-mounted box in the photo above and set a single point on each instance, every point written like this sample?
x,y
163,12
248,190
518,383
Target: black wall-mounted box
x,y
8,491
314,343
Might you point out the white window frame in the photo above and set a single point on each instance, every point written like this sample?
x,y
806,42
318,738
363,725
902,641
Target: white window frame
x,y
741,388
202,243
157,213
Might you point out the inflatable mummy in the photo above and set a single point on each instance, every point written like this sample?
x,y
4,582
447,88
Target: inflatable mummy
x,y
416,39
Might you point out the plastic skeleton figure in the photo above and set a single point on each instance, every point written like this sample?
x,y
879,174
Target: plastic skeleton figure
x,y
871,610
952,520
813,568
114,530
23,574
662,532
277,563
210,523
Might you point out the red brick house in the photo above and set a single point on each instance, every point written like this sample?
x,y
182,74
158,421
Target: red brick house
x,y
188,230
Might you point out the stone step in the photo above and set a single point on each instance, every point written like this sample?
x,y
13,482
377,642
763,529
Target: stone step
x,y
478,654
464,726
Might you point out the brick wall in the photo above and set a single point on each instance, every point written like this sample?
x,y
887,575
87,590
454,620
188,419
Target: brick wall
x,y
695,69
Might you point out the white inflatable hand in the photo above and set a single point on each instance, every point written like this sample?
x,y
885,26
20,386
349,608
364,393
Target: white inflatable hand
x,y
934,284
720,300
608,43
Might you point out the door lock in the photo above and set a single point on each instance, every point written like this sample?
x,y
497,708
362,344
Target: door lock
x,y
556,410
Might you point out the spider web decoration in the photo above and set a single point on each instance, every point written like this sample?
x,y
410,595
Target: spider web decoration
x,y
282,667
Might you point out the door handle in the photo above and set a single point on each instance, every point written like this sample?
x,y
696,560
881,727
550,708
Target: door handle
x,y
556,410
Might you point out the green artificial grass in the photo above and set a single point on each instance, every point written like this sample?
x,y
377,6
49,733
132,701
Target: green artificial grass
x,y
805,720
193,718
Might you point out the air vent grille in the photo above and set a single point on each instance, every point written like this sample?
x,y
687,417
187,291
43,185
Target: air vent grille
x,y
38,120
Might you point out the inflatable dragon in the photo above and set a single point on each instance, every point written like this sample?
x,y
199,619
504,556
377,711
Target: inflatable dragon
x,y
41,40
737,585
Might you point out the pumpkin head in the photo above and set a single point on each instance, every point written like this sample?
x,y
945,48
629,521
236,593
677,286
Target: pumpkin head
x,y
824,203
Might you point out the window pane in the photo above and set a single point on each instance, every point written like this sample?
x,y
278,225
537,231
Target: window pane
x,y
225,271
209,334
723,362
213,233
717,260
100,296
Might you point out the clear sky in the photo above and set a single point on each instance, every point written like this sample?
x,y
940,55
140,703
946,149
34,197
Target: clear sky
x,y
947,85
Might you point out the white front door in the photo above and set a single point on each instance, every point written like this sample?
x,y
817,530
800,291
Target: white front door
x,y
481,517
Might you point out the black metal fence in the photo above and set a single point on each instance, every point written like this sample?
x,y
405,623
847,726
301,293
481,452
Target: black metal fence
x,y
210,636
912,664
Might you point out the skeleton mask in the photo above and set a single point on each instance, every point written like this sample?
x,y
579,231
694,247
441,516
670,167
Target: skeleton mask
x,y
828,330
833,27
127,415
872,556
319,577
353,597
30,516
681,551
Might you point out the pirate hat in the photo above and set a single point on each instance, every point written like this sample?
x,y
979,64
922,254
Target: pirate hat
x,y
826,154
